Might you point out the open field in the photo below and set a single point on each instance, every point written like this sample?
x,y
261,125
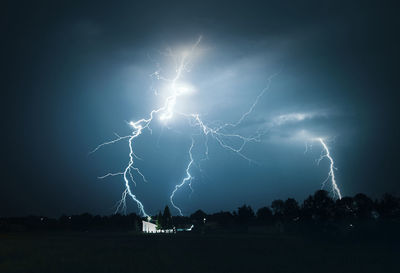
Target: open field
x,y
128,252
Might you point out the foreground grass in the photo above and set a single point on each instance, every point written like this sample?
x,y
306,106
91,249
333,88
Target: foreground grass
x,y
127,252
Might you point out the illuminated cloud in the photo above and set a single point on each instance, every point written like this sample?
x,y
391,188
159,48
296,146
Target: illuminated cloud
x,y
292,117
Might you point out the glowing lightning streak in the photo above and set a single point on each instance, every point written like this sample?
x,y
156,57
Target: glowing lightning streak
x,y
186,179
119,138
253,105
220,138
332,168
127,169
166,113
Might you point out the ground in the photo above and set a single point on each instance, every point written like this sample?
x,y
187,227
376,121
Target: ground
x,y
129,252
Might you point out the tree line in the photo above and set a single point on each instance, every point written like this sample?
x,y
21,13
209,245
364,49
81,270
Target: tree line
x,y
319,210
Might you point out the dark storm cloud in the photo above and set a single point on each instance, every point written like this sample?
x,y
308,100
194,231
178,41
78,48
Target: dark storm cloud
x,y
74,71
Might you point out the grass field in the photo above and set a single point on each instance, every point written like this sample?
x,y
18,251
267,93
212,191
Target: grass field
x,y
128,252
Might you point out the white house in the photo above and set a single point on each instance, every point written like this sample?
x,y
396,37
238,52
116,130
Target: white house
x,y
148,227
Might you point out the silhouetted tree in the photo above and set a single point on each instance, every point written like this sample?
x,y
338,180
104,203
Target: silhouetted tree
x,y
198,216
363,206
264,215
389,207
344,209
181,221
318,211
319,207
245,214
291,209
167,218
277,207
159,220
223,218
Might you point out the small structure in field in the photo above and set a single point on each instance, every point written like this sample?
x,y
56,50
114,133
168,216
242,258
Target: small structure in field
x,y
148,227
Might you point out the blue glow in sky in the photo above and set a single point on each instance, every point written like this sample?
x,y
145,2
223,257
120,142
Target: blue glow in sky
x,y
79,73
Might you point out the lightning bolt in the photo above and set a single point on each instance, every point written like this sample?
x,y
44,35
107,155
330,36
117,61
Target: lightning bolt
x,y
222,138
166,112
332,168
221,134
187,178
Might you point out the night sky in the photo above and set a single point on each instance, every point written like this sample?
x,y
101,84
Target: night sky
x,y
73,74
